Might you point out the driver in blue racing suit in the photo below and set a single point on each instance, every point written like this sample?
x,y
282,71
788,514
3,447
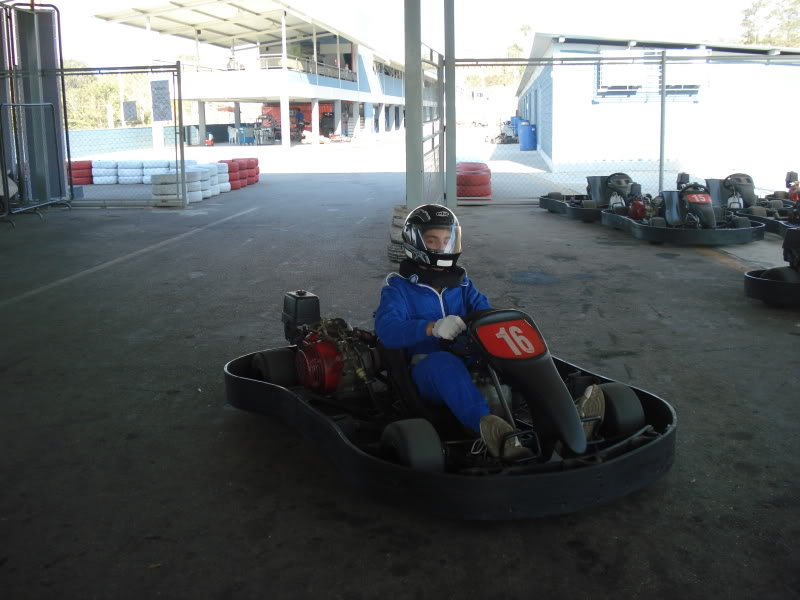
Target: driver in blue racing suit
x,y
424,303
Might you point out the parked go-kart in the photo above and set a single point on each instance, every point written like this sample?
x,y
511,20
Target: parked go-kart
x,y
779,286
778,212
601,191
356,399
688,215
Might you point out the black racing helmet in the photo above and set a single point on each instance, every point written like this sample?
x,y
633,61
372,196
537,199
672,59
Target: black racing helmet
x,y
432,236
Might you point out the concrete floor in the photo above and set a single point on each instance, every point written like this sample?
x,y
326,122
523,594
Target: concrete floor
x,y
125,474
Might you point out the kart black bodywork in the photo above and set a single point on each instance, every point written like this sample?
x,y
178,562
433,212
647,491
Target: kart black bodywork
x,y
600,192
692,214
391,445
779,286
778,212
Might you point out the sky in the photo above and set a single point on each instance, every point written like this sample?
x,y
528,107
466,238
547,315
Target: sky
x,y
483,29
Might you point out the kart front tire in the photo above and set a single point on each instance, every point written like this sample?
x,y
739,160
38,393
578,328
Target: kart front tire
x,y
786,274
624,413
741,222
414,443
275,366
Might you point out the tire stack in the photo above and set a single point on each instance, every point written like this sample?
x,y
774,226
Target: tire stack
x,y
233,174
166,189
154,167
223,177
395,248
244,171
252,171
473,181
213,179
104,172
80,172
130,171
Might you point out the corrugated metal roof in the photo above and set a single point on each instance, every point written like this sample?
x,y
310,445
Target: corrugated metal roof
x,y
224,23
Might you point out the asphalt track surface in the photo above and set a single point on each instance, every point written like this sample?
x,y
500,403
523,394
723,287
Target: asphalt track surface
x,y
125,474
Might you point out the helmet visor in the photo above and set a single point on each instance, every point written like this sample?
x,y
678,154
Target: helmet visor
x,y
439,239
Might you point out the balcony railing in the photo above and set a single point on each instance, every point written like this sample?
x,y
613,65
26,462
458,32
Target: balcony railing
x,y
305,65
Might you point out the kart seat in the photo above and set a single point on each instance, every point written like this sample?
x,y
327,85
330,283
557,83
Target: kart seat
x,y
412,404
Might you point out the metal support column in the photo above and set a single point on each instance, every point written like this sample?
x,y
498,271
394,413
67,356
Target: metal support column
x,y
315,120
663,120
450,103
286,118
337,116
414,160
201,122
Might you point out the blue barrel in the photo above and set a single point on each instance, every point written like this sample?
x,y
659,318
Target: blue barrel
x,y
527,136
515,121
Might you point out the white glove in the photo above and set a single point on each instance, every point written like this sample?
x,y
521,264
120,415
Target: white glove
x,y
449,327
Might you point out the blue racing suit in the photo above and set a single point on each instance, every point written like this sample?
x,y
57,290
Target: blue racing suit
x,y
406,308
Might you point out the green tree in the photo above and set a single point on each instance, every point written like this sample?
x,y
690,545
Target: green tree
x,y
772,23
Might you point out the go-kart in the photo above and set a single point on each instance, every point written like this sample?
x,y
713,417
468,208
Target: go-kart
x,y
688,215
601,191
778,212
355,398
507,135
778,286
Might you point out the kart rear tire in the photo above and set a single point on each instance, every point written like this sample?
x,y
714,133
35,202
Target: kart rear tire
x,y
741,222
658,222
589,204
783,195
776,204
275,366
624,413
414,443
555,195
758,211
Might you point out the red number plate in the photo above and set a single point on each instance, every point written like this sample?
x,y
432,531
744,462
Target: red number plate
x,y
511,339
698,198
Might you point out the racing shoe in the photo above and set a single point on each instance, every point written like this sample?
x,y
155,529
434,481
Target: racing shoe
x,y
592,405
493,430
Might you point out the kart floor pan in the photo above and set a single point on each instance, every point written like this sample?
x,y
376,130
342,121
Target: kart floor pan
x,y
776,226
675,235
453,495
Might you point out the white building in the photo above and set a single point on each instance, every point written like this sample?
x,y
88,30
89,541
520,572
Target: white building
x,y
283,59
728,108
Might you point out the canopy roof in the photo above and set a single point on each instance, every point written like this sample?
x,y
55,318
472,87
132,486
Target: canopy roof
x,y
224,23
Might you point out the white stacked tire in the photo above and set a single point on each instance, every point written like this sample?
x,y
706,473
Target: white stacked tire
x,y
213,181
104,172
130,171
154,167
166,188
173,164
223,177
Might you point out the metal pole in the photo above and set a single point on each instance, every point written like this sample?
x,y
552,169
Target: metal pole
x,y
450,103
286,118
181,140
663,120
314,41
413,97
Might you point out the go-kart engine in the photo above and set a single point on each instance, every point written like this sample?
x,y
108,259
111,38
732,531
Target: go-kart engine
x,y
335,358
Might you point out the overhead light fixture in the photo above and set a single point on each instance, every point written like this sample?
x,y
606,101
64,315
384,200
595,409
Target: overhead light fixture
x,y
561,40
631,44
773,52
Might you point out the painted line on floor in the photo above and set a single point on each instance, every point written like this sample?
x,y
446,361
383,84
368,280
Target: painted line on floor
x,y
111,263
725,259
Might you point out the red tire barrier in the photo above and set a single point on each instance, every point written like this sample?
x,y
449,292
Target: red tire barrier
x,y
473,179
471,166
469,191
81,165
252,180
81,181
252,163
235,185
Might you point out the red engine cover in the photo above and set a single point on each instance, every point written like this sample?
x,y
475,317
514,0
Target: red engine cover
x,y
636,210
794,193
319,364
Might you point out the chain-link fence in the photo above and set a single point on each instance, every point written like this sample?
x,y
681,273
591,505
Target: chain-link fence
x,y
124,128
570,120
